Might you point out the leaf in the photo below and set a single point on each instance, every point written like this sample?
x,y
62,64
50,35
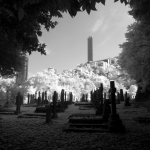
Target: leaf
x,y
92,6
88,10
83,7
103,2
98,1
20,14
32,1
58,2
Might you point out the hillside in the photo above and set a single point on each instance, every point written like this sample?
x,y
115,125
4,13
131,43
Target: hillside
x,y
80,80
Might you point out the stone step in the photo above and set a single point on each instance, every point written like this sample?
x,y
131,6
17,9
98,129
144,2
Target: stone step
x,y
68,128
88,125
83,103
86,108
81,115
87,121
43,110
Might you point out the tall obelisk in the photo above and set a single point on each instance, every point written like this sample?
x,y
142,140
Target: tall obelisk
x,y
90,48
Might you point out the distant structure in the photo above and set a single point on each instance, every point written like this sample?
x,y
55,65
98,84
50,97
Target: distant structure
x,y
23,74
105,63
90,49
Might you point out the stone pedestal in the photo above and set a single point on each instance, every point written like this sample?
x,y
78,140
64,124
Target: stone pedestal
x,y
115,124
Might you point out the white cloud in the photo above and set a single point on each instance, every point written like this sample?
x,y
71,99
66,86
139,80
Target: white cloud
x,y
103,42
106,25
126,20
98,24
113,12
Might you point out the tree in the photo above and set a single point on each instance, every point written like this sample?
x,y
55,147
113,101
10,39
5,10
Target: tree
x,y
140,10
135,54
11,58
22,20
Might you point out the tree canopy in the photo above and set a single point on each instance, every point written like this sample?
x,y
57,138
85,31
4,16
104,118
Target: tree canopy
x,y
22,20
135,55
11,58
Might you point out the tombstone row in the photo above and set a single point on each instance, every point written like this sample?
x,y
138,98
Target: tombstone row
x,y
41,98
98,97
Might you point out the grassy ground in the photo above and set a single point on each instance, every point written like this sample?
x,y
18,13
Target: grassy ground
x,y
34,134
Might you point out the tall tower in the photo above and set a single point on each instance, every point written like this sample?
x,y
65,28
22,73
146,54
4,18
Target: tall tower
x,y
23,74
90,48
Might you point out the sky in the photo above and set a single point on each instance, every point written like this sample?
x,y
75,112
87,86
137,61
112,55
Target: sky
x,y
67,42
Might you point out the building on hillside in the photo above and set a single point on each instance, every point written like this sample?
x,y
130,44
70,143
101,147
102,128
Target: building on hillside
x,y
105,63
90,48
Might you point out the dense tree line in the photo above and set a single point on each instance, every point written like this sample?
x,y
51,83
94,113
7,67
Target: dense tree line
x,y
135,55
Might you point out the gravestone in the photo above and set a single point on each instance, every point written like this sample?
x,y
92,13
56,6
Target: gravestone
x,y
66,102
126,99
104,97
106,110
39,99
45,99
121,95
65,96
83,98
18,103
49,114
99,107
86,98
42,98
118,98
70,96
101,94
62,99
55,99
114,122
91,93
28,98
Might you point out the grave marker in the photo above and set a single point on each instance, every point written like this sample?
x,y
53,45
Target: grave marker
x,y
62,98
126,99
121,95
49,114
114,123
55,99
118,98
18,103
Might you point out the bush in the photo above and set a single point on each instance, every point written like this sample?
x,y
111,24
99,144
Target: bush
x,y
8,104
2,98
